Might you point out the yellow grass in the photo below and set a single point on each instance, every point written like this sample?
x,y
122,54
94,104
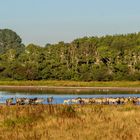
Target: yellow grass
x,y
59,122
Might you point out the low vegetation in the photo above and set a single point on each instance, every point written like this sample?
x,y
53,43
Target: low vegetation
x,y
77,122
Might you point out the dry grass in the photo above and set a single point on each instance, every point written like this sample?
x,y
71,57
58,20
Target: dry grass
x,y
58,122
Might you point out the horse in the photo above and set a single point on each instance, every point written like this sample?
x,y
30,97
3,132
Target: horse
x,y
39,101
22,101
67,101
32,100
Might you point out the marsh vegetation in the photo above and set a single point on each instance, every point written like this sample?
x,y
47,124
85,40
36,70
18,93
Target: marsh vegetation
x,y
77,122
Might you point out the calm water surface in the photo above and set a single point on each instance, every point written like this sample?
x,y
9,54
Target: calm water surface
x,y
59,98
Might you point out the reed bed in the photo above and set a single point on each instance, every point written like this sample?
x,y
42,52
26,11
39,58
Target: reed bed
x,y
70,122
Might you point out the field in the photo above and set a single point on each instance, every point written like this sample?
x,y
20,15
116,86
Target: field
x,y
76,122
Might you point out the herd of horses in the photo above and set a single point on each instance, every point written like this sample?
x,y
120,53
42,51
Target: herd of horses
x,y
29,101
79,100
110,100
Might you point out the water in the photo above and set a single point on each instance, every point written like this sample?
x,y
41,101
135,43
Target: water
x,y
59,98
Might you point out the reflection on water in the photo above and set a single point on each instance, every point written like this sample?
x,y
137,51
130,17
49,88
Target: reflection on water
x,y
59,98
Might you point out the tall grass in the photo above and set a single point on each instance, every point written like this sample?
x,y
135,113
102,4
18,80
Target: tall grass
x,y
76,122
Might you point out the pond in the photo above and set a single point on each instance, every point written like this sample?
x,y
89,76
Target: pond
x,y
59,98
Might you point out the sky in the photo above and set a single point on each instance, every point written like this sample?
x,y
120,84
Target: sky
x,y
50,21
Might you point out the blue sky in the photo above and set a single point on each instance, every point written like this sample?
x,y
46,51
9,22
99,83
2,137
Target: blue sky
x,y
51,21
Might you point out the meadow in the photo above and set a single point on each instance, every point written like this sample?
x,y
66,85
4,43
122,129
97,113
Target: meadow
x,y
75,122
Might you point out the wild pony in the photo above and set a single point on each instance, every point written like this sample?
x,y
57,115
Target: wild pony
x,y
22,101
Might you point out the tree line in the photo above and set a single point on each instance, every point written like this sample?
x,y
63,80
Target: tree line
x,y
106,58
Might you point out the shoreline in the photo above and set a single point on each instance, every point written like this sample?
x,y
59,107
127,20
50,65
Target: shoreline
x,y
68,89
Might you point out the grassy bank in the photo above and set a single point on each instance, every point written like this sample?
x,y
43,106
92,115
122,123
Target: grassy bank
x,y
73,83
76,122
71,87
